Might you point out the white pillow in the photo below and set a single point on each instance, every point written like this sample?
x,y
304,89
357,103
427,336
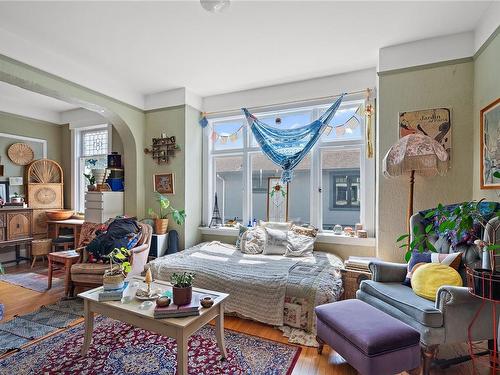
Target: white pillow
x,y
299,245
276,242
275,225
253,241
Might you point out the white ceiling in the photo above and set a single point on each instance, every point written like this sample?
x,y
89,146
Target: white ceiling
x,y
130,49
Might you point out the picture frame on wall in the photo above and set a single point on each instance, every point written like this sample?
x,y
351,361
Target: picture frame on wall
x,y
4,191
490,145
435,123
164,183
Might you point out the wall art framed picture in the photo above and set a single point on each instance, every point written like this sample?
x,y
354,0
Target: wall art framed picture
x,y
490,146
4,191
164,183
435,123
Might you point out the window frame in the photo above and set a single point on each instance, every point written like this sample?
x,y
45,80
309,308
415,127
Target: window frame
x,y
367,166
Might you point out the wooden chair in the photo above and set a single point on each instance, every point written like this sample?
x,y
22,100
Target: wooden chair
x,y
89,275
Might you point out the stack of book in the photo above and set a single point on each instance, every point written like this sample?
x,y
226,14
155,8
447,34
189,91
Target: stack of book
x,y
174,311
359,263
108,294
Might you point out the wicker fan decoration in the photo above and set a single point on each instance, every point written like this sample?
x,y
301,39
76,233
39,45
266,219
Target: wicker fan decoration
x,y
20,153
45,171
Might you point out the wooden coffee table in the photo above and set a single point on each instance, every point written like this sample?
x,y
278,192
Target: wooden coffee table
x,y
178,328
66,259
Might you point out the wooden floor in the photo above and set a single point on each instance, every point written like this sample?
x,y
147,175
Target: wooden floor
x,y
18,300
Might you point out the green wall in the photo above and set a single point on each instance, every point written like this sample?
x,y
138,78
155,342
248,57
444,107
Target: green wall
x,y
449,86
486,90
23,126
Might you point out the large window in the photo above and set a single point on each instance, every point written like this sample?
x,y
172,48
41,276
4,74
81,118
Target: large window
x,y
91,146
330,186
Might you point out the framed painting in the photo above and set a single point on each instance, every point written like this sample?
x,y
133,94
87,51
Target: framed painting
x,y
164,183
490,146
277,200
4,191
435,123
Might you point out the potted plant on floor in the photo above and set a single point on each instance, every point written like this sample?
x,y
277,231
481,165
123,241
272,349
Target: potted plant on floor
x,y
119,264
161,217
182,287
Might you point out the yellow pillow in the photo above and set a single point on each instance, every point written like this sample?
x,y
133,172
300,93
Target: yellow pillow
x,y
428,278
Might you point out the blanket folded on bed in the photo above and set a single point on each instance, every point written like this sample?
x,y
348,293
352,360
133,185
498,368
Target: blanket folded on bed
x,y
256,284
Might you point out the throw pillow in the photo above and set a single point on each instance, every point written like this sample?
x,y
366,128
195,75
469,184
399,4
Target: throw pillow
x,y
306,231
276,242
242,229
428,278
253,241
275,225
418,259
299,245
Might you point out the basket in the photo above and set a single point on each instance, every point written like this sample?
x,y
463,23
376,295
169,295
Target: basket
x,y
41,247
484,283
59,214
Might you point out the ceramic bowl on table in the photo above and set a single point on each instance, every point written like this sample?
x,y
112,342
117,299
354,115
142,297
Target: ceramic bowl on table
x,y
59,214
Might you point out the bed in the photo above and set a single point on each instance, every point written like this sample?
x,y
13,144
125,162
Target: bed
x,y
272,289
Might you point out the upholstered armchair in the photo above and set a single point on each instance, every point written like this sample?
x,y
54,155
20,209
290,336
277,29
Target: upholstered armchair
x,y
444,321
89,275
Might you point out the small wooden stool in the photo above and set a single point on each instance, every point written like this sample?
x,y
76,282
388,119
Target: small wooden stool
x,y
66,259
40,248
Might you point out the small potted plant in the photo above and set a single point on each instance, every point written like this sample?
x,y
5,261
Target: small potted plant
x,y
119,266
182,287
91,182
161,217
16,198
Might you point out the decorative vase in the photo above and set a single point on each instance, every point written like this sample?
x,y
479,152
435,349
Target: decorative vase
x,y
91,187
161,226
111,280
182,296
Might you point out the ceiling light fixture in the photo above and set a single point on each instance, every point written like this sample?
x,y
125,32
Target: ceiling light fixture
x,y
215,6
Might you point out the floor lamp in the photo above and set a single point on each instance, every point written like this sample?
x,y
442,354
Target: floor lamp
x,y
415,154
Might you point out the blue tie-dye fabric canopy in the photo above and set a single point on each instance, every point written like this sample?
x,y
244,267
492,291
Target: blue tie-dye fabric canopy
x,y
287,147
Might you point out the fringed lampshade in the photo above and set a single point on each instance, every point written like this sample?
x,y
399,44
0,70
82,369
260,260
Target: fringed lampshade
x,y
415,153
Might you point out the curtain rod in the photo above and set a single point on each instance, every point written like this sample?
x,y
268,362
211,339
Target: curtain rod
x,y
368,91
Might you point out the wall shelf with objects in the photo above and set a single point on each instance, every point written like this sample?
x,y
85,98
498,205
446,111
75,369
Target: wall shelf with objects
x,y
162,149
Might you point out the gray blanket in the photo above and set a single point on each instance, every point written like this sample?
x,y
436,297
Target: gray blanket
x,y
256,284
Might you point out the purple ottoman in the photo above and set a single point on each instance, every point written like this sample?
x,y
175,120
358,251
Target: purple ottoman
x,y
373,342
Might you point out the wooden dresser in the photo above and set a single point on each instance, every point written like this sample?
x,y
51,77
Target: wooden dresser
x,y
16,230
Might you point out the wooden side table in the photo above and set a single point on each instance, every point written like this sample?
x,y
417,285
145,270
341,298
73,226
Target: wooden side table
x,y
351,279
66,259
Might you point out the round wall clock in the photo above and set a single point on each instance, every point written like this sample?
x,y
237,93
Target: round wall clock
x,y
20,153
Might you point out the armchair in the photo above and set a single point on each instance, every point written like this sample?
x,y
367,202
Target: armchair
x,y
85,274
444,321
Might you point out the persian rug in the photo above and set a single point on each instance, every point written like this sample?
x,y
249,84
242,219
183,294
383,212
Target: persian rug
x,y
32,280
119,348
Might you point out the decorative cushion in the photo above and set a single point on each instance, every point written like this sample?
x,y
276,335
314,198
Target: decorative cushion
x,y
253,241
428,278
276,242
299,245
275,225
418,259
305,231
242,229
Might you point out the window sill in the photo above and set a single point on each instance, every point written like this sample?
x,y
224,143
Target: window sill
x,y
323,237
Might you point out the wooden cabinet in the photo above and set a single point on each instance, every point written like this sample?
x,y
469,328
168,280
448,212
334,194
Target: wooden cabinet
x,y
18,225
16,231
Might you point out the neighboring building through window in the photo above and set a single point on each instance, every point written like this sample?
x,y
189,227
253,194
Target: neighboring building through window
x,y
327,187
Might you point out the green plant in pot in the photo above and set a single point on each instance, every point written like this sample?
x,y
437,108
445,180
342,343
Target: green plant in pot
x,y
166,210
90,181
119,267
182,287
467,220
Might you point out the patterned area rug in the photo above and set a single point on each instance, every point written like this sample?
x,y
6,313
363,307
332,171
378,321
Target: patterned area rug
x,y
33,281
20,330
119,348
